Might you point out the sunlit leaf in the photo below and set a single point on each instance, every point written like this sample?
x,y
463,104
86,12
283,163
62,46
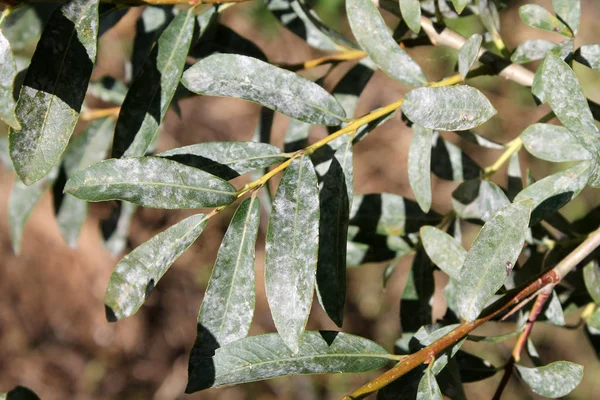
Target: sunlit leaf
x,y
553,380
419,166
536,49
445,251
468,54
553,143
591,276
460,5
150,182
267,356
589,55
148,28
428,387
594,320
491,257
247,78
54,89
515,177
538,17
411,13
374,38
554,312
569,11
291,251
136,275
451,108
478,200
8,73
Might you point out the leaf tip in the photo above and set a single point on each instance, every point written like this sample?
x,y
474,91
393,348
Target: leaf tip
x,y
110,314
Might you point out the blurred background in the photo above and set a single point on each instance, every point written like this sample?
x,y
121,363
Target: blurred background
x,y
54,337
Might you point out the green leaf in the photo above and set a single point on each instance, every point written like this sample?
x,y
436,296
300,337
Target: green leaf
x,y
152,90
136,275
21,203
553,143
374,38
23,27
556,83
267,356
87,148
569,11
8,73
485,269
445,251
554,312
419,166
291,250
148,28
494,339
479,140
227,160
531,50
459,5
411,13
247,78
296,136
554,191
478,200
19,393
428,387
589,55
553,380
591,277
226,312
448,161
538,17
150,182
451,108
54,89
468,54
594,320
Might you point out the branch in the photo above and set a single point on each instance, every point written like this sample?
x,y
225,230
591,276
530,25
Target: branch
x,y
551,277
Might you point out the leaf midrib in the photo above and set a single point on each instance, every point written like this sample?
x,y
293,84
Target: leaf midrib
x,y
122,183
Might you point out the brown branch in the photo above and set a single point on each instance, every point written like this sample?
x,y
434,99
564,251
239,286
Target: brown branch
x,y
90,115
551,277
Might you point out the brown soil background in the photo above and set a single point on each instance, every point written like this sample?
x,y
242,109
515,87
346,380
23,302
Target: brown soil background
x,y
54,337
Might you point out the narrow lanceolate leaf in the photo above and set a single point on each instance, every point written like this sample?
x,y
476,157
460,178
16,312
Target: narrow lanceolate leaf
x,y
445,251
54,89
531,50
538,17
553,143
228,305
88,147
291,250
591,277
232,75
556,83
411,13
468,54
8,73
152,90
428,387
554,191
448,161
21,203
553,380
478,200
494,251
459,5
589,55
150,182
594,320
227,160
375,39
569,11
267,356
137,273
116,232
453,108
419,166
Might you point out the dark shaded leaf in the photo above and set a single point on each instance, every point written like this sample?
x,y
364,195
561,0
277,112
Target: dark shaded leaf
x,y
473,368
589,55
19,393
419,166
148,28
116,236
515,179
415,305
477,200
553,380
219,38
449,162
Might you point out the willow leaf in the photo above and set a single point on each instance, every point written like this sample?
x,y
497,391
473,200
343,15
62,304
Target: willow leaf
x,y
591,277
233,75
568,11
419,166
411,13
553,380
538,17
428,387
491,258
267,356
8,73
135,276
291,250
468,54
553,143
54,89
589,55
445,251
150,182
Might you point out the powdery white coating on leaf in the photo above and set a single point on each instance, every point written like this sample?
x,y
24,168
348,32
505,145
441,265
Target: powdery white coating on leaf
x,y
8,73
411,13
538,17
532,50
54,89
233,75
242,157
483,203
591,277
428,387
151,182
445,251
554,312
228,303
484,271
460,5
451,108
553,143
568,11
139,271
553,380
291,250
589,55
419,166
374,38
267,356
468,54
